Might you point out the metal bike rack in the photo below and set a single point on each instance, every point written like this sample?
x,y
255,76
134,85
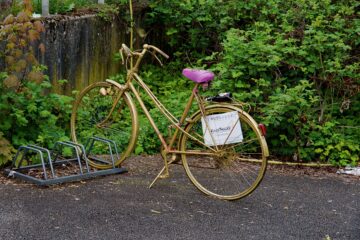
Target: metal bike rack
x,y
90,144
50,161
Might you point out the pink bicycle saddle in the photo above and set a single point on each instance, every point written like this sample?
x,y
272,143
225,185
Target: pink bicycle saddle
x,y
198,76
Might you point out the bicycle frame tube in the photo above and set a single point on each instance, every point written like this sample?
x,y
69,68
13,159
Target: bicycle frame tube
x,y
129,86
177,123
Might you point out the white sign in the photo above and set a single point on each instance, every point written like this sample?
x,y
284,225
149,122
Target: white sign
x,y
220,129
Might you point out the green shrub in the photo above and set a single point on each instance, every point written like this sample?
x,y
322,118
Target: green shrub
x,y
295,62
289,115
31,116
63,6
29,113
6,151
332,144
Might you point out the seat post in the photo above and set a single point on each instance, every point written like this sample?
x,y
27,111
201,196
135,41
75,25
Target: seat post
x,y
196,89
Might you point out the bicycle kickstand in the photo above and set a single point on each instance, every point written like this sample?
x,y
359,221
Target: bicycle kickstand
x,y
165,169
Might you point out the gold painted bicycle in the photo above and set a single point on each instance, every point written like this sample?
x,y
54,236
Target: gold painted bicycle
x,y
222,148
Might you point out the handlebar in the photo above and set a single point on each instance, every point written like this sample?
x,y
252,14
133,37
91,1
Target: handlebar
x,y
146,48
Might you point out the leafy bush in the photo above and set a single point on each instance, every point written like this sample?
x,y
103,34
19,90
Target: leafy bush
x,y
31,116
66,6
6,150
63,6
290,113
18,36
332,144
296,63
194,28
28,112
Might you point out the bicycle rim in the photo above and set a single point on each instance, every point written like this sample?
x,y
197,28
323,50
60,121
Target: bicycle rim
x,y
91,118
230,171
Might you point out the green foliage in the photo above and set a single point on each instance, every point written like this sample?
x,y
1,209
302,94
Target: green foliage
x,y
28,112
6,150
31,116
63,6
332,144
295,62
107,12
117,2
18,36
193,27
288,113
245,64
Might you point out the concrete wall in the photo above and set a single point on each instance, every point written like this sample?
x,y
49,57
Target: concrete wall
x,y
81,50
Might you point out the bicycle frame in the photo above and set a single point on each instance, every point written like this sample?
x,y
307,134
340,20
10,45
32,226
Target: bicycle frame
x,y
168,145
193,133
132,76
129,86
179,125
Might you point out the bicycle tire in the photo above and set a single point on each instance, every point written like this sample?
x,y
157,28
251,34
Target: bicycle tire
x,y
90,117
234,170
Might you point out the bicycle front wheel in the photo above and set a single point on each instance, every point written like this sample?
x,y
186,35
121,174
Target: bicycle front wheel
x,y
99,111
228,168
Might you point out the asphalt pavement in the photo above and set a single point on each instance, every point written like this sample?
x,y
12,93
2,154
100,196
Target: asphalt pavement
x,y
123,207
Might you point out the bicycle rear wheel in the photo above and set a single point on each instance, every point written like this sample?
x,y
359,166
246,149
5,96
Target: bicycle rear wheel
x,y
99,112
227,171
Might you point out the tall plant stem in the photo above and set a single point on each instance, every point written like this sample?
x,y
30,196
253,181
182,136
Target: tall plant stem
x,y
131,29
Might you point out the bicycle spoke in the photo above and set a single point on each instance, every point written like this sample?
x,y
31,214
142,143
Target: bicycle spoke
x,y
243,143
104,114
231,131
235,170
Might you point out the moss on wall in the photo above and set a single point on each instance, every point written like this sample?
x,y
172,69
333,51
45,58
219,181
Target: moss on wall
x,y
80,50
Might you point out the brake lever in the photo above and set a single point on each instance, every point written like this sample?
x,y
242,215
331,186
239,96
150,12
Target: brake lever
x,y
156,57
